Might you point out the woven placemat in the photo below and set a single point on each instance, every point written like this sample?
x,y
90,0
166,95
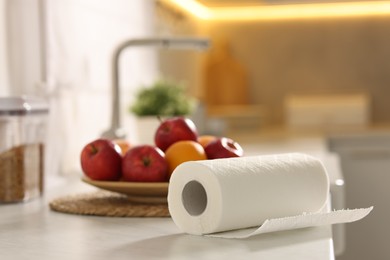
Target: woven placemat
x,y
105,203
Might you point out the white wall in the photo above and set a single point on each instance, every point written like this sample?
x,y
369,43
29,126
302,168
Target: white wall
x,y
81,38
3,47
25,70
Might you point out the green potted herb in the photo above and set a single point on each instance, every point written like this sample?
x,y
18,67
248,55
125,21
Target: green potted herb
x,y
162,99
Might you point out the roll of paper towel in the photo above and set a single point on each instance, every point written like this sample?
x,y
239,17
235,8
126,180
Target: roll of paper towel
x,y
231,194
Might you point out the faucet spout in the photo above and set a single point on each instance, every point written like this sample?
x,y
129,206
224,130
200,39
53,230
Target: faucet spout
x,y
116,131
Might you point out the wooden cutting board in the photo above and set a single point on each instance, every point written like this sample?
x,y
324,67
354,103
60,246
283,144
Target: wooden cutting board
x,y
226,80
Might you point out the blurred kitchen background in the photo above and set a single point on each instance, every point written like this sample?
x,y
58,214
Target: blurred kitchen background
x,y
276,69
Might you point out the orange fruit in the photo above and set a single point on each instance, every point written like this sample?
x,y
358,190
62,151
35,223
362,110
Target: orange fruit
x,y
183,151
123,144
204,140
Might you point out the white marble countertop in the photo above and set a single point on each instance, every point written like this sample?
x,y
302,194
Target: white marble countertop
x,y
32,231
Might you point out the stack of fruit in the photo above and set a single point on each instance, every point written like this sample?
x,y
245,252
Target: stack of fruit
x,y
176,140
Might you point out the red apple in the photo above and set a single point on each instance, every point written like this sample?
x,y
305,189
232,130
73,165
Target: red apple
x,y
223,148
144,163
101,160
173,130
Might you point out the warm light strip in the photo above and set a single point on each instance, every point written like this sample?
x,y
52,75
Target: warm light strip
x,y
291,11
194,8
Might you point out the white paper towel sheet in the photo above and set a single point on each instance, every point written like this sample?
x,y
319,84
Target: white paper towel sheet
x,y
242,197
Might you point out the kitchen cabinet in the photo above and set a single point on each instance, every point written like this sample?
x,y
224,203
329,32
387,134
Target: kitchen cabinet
x,y
365,162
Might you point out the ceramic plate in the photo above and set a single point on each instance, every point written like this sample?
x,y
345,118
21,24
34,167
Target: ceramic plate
x,y
150,192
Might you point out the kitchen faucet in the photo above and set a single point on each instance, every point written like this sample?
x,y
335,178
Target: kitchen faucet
x,y
116,131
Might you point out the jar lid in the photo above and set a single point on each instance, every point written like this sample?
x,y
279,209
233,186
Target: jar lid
x,y
23,105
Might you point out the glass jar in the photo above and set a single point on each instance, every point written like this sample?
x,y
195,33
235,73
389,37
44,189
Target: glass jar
x,y
23,123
